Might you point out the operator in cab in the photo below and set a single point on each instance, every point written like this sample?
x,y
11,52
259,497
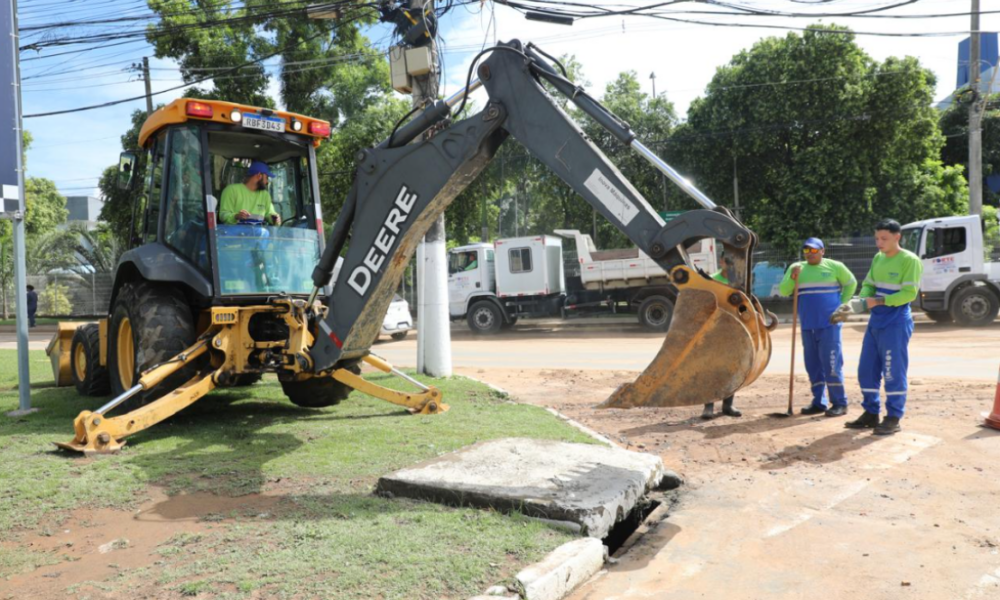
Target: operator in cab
x,y
250,200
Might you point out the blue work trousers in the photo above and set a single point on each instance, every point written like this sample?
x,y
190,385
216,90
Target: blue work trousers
x,y
824,358
884,354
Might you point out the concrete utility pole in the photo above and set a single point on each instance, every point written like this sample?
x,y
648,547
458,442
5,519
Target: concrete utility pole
x,y
736,191
975,120
149,88
434,331
12,204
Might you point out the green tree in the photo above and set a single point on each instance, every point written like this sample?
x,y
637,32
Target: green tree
x,y
54,301
825,139
955,127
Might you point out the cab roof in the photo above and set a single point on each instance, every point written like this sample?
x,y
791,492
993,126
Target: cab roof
x,y
183,110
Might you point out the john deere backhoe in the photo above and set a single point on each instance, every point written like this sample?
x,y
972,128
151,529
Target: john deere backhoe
x,y
201,302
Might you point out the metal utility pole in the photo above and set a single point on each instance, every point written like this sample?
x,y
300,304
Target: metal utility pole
x,y
975,120
12,187
149,89
652,77
434,331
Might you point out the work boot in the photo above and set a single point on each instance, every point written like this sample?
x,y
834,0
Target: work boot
x,y
836,411
812,409
866,421
888,426
728,410
709,412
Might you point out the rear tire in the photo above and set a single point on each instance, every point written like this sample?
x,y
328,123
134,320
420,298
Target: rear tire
x,y
90,378
974,306
656,312
246,379
318,392
938,316
150,324
484,318
399,336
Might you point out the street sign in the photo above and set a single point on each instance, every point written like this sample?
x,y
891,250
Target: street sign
x,y
11,198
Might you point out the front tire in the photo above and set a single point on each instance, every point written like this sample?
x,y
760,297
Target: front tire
x,y
974,306
318,392
656,312
90,378
400,336
150,324
485,318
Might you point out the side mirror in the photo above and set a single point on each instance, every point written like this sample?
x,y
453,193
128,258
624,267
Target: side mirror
x,y
126,170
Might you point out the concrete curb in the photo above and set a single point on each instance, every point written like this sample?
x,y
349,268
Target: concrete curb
x,y
562,570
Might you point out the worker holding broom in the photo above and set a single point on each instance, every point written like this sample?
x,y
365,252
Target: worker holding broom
x,y
822,285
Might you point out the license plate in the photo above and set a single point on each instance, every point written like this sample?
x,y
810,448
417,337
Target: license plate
x,y
255,121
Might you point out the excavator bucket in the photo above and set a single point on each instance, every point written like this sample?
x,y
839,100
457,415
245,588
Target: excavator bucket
x,y
719,341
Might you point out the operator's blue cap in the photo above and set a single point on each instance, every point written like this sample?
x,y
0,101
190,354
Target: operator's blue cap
x,y
813,243
257,167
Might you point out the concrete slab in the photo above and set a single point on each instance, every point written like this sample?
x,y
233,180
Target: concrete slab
x,y
594,486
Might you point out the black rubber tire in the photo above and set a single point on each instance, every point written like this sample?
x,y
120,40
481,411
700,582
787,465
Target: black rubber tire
x,y
162,327
399,336
318,392
509,323
95,381
974,306
656,312
938,316
484,318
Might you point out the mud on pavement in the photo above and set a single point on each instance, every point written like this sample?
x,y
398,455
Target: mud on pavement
x,y
801,507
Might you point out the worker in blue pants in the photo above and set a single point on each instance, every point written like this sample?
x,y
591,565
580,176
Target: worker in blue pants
x,y
824,285
890,286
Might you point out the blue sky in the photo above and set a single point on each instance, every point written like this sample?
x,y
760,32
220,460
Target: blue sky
x,y
73,149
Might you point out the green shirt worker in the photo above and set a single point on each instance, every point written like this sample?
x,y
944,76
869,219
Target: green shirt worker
x,y
240,201
824,285
891,284
708,412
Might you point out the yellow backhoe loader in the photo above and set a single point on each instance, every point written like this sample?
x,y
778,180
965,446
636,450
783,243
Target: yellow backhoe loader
x,y
209,296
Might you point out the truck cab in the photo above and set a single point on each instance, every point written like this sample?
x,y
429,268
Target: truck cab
x,y
471,274
958,284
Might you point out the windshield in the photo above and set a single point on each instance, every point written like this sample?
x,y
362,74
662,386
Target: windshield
x,y
266,237
462,260
911,239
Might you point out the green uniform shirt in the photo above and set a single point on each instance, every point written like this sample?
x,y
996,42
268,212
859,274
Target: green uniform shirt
x,y
897,279
237,197
822,288
718,276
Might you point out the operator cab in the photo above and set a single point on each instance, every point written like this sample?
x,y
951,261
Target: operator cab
x,y
195,149
470,273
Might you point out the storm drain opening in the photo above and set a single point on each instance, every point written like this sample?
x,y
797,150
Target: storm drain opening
x,y
624,529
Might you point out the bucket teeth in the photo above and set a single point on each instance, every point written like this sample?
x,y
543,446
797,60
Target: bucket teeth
x,y
718,343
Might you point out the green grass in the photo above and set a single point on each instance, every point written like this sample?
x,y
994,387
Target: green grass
x,y
328,536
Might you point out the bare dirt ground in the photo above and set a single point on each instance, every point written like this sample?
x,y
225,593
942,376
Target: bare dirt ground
x,y
801,507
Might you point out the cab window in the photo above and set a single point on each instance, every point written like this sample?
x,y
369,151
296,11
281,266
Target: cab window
x,y
184,222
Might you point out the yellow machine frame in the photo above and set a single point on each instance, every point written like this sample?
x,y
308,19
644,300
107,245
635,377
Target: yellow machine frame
x,y
229,346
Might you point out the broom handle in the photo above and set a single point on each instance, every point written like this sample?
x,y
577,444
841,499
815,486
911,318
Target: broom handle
x,y
795,322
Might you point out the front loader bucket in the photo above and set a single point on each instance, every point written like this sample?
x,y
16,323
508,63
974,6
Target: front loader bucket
x,y
718,343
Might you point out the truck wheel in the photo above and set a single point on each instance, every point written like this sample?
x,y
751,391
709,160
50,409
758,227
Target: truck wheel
x,y
318,392
484,318
974,306
938,316
400,335
90,378
509,323
150,324
656,312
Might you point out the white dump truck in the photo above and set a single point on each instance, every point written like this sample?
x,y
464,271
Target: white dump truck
x,y
960,282
494,285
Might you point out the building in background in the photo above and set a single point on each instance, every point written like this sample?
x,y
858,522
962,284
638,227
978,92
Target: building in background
x,y
989,79
83,210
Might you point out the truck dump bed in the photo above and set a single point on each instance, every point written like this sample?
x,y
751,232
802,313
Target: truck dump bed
x,y
609,269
